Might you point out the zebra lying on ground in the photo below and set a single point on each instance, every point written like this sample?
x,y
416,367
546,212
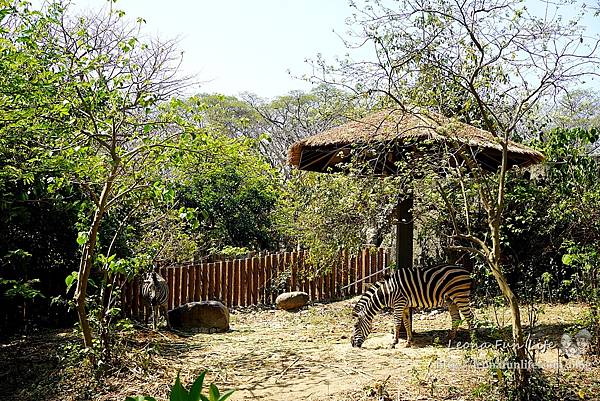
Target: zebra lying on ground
x,y
155,292
430,287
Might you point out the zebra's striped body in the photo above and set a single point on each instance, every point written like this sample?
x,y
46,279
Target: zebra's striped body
x,y
155,292
442,285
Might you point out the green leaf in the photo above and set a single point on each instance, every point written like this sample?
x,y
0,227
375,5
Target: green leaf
x,y
70,279
568,259
226,395
213,393
82,237
197,387
178,393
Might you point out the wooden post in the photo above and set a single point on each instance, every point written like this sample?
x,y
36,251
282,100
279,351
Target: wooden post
x,y
255,280
217,281
404,240
404,233
184,284
274,275
177,299
230,283
294,267
204,281
235,300
262,281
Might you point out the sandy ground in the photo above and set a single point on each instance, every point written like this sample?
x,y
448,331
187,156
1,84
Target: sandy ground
x,y
306,355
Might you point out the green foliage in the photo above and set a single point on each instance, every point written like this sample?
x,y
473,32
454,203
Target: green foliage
x,y
224,190
500,383
179,393
328,213
552,228
236,190
19,288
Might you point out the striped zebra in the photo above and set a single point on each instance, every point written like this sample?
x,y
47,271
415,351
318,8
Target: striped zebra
x,y
155,292
430,287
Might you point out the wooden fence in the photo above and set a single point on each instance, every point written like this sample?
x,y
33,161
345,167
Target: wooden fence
x,y
259,279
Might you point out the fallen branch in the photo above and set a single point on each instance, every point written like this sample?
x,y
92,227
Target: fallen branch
x,y
286,369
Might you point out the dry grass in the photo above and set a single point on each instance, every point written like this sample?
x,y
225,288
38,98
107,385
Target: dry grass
x,y
306,355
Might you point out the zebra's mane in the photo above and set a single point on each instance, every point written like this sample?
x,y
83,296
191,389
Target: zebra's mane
x,y
366,297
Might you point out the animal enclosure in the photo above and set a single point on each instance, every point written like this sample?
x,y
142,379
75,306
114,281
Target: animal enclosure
x,y
259,279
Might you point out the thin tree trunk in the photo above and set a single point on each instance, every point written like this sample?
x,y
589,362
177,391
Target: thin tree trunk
x,y
85,267
87,259
517,329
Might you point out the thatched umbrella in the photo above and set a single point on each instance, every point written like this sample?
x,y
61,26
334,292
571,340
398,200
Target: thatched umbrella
x,y
325,151
384,138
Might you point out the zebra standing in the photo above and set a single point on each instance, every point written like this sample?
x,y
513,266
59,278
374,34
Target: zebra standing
x,y
428,287
155,293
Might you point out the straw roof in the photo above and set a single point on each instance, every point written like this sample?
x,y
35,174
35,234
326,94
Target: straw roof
x,y
325,150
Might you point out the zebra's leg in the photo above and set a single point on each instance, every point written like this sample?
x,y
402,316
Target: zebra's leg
x,y
397,326
455,315
407,325
155,316
166,311
465,310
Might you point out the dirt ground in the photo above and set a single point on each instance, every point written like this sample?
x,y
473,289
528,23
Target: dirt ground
x,y
306,355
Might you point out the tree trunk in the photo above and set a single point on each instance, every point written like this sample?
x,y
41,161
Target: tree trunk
x,y
87,259
85,267
522,370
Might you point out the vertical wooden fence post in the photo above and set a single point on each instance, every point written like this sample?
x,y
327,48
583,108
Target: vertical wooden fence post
x,y
244,282
275,278
229,282
177,272
183,289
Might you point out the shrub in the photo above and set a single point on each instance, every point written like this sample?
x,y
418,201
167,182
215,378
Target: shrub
x,y
179,393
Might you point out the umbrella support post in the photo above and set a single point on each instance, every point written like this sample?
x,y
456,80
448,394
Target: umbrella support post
x,y
404,241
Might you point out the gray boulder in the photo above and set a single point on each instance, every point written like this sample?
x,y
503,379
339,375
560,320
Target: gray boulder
x,y
291,300
205,316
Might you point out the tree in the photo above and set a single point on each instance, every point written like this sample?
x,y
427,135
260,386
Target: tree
x,y
292,117
577,109
114,85
37,220
96,116
330,213
225,180
505,61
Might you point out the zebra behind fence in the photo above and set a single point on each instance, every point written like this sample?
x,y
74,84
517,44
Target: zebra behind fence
x,y
155,292
430,287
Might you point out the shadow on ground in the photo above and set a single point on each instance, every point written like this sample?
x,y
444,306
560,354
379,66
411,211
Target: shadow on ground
x,y
30,361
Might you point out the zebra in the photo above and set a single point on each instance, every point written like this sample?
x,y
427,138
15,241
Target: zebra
x,y
155,292
415,287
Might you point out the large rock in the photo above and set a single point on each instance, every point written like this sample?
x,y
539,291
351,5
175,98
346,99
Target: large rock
x,y
206,316
292,300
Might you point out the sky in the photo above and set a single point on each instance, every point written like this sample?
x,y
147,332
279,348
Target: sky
x,y
243,45
257,46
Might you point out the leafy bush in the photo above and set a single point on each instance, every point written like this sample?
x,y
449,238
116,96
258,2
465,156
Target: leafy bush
x,y
179,393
